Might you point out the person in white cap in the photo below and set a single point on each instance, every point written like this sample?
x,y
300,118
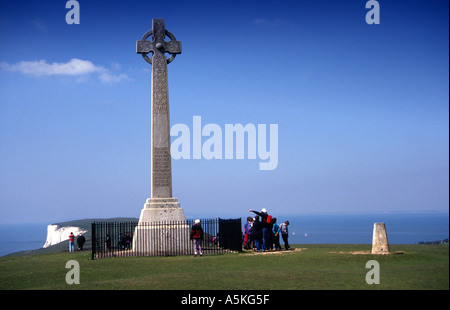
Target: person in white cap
x,y
197,237
266,221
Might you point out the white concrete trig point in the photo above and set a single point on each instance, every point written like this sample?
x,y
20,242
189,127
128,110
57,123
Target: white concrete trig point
x,y
161,206
380,244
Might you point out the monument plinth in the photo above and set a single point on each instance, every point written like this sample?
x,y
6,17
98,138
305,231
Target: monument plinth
x,y
161,206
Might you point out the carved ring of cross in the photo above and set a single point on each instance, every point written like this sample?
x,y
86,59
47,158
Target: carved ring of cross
x,y
168,34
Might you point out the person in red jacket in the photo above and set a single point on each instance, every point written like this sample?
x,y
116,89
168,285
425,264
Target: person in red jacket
x,y
197,237
71,242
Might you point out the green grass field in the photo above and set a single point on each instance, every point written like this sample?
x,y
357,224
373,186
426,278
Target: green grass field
x,y
321,267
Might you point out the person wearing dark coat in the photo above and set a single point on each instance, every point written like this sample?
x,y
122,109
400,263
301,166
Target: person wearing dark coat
x,y
257,234
108,242
80,241
197,237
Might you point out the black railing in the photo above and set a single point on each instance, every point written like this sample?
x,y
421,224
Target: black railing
x,y
166,238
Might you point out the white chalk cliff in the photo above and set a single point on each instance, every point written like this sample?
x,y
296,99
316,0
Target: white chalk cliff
x,y
56,234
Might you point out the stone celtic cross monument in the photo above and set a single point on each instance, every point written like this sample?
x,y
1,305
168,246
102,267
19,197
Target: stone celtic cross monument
x,y
161,206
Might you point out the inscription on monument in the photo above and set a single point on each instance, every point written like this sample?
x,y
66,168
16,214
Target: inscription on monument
x,y
160,87
161,167
161,105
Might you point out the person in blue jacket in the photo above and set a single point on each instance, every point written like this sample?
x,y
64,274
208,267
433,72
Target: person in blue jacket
x,y
276,234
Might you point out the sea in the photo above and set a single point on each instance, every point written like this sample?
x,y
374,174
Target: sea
x,y
325,228
22,237
341,228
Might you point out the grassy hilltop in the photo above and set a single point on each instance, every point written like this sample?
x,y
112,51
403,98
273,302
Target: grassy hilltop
x,y
330,267
320,266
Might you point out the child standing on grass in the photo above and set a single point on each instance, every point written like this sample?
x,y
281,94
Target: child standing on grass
x,y
276,234
285,234
247,231
197,237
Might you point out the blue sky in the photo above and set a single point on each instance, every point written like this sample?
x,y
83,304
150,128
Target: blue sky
x,y
362,110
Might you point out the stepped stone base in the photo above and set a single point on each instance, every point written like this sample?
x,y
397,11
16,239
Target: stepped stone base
x,y
162,229
161,209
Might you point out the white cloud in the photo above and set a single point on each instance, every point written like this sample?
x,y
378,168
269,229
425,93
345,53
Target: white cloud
x,y
109,78
115,66
42,68
74,67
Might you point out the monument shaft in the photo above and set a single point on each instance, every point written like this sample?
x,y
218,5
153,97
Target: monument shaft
x,y
161,172
161,177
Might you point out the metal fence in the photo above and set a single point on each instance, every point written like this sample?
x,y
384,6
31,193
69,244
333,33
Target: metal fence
x,y
168,238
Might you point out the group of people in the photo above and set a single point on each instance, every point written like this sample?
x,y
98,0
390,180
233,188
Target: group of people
x,y
123,241
80,242
263,232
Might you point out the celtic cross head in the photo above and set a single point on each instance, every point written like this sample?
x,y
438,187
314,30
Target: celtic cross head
x,y
158,45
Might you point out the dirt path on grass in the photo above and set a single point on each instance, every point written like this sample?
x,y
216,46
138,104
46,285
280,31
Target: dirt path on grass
x,y
251,252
